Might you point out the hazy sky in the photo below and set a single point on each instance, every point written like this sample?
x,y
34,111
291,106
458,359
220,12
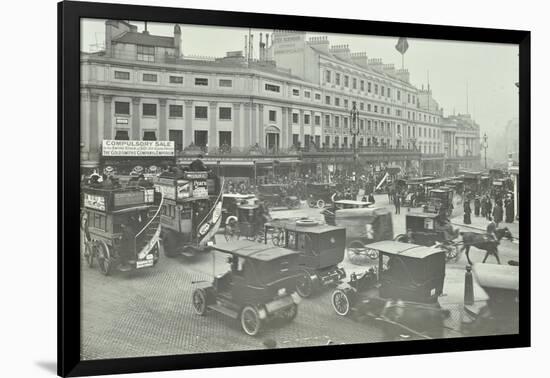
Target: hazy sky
x,y
489,70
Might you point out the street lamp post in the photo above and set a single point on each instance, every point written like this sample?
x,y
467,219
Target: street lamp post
x,y
255,177
484,145
354,132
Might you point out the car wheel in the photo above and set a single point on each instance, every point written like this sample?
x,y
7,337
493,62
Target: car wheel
x,y
199,301
105,259
305,285
320,204
250,321
169,244
341,302
89,254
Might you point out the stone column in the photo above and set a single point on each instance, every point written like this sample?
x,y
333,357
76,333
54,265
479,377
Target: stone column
x,y
322,126
236,137
246,128
213,116
107,117
188,137
163,132
94,127
289,125
261,126
136,116
301,123
254,125
284,128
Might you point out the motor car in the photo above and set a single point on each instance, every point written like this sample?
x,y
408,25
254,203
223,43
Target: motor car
x,y
401,292
321,248
258,288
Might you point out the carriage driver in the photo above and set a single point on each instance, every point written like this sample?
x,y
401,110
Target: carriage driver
x,y
442,223
491,229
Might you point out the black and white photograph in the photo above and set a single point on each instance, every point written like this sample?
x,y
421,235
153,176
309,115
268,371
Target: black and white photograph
x,y
249,189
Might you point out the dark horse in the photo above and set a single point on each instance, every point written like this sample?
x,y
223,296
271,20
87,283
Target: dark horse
x,y
485,242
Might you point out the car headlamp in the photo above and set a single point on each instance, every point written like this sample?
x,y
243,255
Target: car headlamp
x,y
262,313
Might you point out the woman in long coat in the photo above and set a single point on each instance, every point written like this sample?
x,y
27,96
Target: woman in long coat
x,y
467,212
497,213
509,210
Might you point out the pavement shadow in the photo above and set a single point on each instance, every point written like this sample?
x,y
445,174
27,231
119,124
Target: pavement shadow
x,y
49,366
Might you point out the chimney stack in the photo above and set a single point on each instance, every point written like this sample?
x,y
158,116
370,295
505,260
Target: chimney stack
x,y
252,46
177,40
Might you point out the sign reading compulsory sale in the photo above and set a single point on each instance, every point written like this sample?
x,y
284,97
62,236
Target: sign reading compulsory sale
x,y
138,148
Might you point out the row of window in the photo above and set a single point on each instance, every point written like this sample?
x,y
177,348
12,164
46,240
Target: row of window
x,y
354,83
122,108
228,83
345,103
174,79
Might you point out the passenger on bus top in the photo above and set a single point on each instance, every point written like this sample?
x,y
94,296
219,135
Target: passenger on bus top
x,y
198,165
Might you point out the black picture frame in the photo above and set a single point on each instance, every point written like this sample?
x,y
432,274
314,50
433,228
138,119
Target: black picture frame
x,y
69,15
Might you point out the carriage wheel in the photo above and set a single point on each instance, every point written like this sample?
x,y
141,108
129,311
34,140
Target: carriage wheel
x,y
89,253
250,321
304,285
105,260
451,252
341,302
199,301
401,238
291,312
372,253
231,231
320,204
311,202
169,244
278,237
260,235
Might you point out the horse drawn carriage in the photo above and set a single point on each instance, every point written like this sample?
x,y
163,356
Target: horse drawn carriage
x,y
401,292
424,229
230,203
277,195
248,222
121,227
319,194
258,289
321,249
363,226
